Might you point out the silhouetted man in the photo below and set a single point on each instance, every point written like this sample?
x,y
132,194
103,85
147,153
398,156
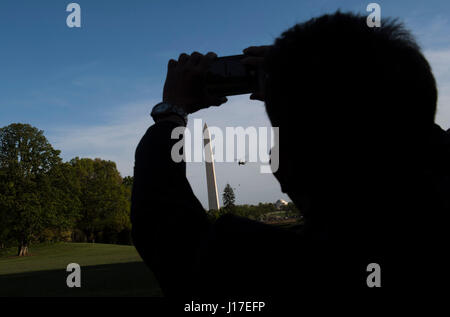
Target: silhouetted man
x,y
360,156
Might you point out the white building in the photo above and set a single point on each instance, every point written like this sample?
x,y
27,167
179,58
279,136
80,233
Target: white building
x,y
281,203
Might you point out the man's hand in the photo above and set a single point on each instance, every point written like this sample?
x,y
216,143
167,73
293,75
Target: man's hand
x,y
185,82
255,56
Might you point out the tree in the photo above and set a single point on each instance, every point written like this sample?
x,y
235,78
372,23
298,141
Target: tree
x,y
128,181
228,197
61,198
26,160
105,200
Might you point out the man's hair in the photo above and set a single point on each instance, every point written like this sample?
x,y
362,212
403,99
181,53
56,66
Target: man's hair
x,y
336,72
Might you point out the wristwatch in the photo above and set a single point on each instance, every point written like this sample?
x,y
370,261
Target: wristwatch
x,y
165,109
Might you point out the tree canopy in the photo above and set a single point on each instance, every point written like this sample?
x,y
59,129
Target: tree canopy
x,y
43,198
27,161
104,197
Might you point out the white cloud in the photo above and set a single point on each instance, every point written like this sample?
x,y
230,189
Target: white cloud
x,y
115,140
440,63
434,33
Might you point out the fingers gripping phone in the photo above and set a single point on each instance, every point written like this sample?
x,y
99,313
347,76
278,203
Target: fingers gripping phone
x,y
228,76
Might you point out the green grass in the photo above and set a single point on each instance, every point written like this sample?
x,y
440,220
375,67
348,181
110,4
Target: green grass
x,y
106,270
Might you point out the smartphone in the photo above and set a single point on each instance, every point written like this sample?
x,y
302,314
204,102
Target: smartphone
x,y
227,76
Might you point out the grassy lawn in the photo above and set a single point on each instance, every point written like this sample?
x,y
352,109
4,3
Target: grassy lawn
x,y
106,270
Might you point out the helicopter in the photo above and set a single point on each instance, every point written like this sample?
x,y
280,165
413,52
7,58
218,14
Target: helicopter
x,y
241,161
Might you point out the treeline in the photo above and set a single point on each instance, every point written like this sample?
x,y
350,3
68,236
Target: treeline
x,y
44,199
260,212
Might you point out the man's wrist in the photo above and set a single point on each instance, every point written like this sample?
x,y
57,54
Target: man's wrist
x,y
169,112
171,118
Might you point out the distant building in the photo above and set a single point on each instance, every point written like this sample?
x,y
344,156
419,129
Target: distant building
x,y
280,203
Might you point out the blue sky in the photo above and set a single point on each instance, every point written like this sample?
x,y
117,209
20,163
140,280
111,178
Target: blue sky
x,y
91,89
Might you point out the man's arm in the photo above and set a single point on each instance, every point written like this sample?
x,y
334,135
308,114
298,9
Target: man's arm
x,y
169,222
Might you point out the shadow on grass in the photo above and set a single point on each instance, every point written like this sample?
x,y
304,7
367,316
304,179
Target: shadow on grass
x,y
120,279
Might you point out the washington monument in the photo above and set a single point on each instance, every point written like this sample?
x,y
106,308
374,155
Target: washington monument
x,y
213,197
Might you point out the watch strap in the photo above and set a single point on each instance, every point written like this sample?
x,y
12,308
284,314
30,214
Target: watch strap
x,y
165,110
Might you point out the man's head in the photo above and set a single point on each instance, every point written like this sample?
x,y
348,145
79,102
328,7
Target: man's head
x,y
342,94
